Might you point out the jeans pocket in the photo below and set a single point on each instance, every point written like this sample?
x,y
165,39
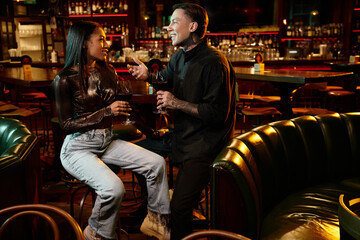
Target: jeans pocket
x,y
81,137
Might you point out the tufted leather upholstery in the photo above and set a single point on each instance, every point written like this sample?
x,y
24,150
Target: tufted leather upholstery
x,y
283,180
20,177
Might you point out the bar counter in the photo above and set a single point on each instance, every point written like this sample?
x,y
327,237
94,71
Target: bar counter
x,y
322,64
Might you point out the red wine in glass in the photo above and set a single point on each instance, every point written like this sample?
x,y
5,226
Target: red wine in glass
x,y
124,94
124,97
160,85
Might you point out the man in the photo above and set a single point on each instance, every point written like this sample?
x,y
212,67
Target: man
x,y
203,100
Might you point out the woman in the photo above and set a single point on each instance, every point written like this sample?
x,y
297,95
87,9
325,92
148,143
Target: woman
x,y
85,103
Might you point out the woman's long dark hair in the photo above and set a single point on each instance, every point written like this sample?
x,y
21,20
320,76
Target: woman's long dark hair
x,y
76,51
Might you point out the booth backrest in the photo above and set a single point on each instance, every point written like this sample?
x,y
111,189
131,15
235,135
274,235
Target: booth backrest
x,y
260,167
20,176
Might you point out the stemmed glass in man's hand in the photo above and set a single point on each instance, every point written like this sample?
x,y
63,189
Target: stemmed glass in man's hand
x,y
124,93
160,85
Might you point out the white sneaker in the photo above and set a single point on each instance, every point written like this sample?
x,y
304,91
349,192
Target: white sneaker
x,y
153,229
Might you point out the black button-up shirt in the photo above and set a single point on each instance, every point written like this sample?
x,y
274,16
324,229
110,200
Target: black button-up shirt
x,y
205,77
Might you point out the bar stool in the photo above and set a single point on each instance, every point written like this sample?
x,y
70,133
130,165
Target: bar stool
x,y
253,105
39,100
27,116
258,112
341,100
309,100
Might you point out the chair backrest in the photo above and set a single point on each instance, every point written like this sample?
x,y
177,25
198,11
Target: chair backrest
x,y
215,233
349,219
47,212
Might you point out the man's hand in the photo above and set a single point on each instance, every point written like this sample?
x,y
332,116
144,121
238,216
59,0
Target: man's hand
x,y
167,100
140,72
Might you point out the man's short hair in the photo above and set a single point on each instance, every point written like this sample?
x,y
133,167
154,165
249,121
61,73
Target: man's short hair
x,y
197,14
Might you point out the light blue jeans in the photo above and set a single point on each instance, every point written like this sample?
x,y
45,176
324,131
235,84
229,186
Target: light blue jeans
x,y
85,155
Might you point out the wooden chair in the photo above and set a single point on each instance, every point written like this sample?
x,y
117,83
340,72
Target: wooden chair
x,y
309,100
349,220
44,212
257,106
215,233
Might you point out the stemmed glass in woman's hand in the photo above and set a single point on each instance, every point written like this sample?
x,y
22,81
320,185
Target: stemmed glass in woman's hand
x,y
124,94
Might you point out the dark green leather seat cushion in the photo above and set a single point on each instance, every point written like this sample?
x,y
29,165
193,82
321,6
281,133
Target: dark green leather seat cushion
x,y
267,165
311,213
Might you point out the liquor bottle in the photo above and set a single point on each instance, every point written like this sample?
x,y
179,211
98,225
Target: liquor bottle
x,y
81,8
77,8
127,29
309,31
136,33
157,33
103,8
112,29
121,6
108,7
126,6
85,8
115,8
98,7
141,33
153,32
71,8
274,41
123,30
232,41
105,27
93,7
288,31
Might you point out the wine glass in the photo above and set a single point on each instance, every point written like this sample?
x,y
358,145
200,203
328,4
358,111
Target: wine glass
x,y
124,93
160,85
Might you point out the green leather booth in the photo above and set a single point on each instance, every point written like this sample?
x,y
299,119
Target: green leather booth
x,y
283,180
20,174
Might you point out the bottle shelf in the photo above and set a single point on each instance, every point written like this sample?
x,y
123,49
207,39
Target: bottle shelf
x,y
153,40
307,38
242,33
98,15
80,16
259,33
110,15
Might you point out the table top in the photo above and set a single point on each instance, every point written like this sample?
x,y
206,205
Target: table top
x,y
43,77
40,77
288,76
344,66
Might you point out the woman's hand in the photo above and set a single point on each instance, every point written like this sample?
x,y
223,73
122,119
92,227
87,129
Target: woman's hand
x,y
140,72
120,108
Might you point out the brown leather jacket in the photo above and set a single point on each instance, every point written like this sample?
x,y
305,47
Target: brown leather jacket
x,y
84,104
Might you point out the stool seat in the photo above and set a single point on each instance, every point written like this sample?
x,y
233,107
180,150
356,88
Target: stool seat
x,y
341,100
311,111
331,88
267,99
7,108
257,111
339,93
126,132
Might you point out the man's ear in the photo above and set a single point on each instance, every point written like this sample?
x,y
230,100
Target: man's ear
x,y
193,26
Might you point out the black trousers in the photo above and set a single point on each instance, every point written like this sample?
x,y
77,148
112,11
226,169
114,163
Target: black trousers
x,y
192,178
